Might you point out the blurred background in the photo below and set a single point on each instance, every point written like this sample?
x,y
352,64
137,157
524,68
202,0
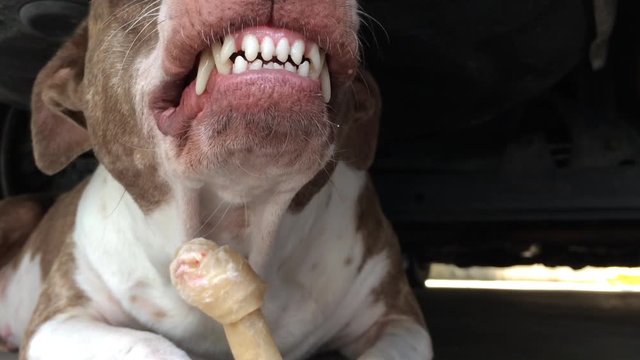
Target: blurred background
x,y
508,162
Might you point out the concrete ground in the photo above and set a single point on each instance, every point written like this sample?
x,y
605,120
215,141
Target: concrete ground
x,y
501,325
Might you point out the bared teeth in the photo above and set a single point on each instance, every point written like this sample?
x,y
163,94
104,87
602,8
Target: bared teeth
x,y
205,68
290,67
240,65
297,52
304,59
228,47
267,48
222,55
283,50
251,47
317,60
303,69
256,65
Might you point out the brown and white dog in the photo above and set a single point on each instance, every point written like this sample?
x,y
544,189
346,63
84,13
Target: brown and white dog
x,y
247,122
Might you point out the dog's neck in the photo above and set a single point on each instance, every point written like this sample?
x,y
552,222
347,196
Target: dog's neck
x,y
250,226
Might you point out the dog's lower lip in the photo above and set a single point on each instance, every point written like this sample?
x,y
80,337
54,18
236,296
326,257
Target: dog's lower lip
x,y
246,93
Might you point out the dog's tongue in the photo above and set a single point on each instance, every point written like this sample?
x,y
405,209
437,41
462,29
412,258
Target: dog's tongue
x,y
174,120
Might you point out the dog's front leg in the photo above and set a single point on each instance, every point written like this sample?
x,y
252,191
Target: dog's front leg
x,y
71,337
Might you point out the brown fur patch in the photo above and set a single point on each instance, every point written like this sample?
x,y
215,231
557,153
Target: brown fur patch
x,y
117,136
348,261
379,237
19,217
52,240
48,239
312,188
360,122
376,231
75,111
148,306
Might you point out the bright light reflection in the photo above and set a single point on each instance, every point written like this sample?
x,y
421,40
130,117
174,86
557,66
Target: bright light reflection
x,y
535,278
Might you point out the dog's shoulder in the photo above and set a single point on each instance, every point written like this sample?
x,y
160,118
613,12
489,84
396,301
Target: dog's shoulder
x,y
55,228
19,217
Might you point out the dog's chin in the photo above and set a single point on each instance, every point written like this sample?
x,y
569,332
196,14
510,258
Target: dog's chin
x,y
265,144
257,136
246,161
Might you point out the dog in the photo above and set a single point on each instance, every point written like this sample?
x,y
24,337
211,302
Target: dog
x,y
247,122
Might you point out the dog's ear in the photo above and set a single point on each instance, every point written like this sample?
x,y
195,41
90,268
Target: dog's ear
x,y
58,125
360,117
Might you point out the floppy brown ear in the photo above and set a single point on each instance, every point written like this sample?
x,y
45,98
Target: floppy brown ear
x,y
58,126
360,117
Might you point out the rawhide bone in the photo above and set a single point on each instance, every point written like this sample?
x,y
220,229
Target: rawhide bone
x,y
222,284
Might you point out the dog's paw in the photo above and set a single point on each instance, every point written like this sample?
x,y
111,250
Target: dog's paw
x,y
154,348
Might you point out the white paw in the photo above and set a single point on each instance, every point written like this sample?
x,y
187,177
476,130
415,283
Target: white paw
x,y
154,348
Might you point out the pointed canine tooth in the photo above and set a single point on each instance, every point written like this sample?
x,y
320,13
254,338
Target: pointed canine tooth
x,y
278,66
223,64
267,48
303,69
251,47
317,61
228,47
256,65
205,68
283,49
240,65
325,79
290,67
297,51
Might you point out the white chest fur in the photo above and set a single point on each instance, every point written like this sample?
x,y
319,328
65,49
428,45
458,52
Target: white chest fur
x,y
317,276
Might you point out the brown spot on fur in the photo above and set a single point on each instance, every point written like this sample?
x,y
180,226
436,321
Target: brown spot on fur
x,y
360,122
159,314
312,188
19,217
348,261
379,237
376,230
48,239
394,290
147,306
4,280
52,239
